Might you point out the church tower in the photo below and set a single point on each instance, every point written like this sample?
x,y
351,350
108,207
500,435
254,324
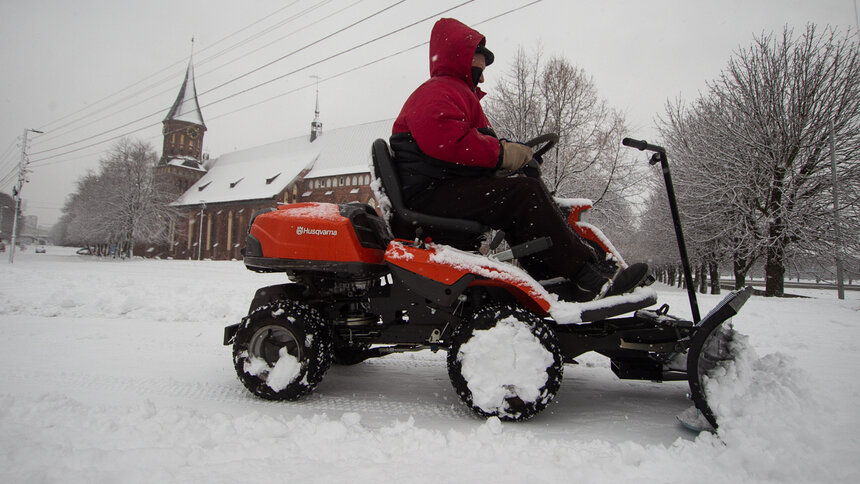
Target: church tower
x,y
183,129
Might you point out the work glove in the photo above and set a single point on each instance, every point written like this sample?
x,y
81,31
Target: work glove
x,y
514,155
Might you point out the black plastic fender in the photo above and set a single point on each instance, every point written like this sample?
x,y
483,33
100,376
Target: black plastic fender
x,y
265,295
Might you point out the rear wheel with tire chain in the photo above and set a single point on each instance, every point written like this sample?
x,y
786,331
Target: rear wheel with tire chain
x,y
506,362
282,350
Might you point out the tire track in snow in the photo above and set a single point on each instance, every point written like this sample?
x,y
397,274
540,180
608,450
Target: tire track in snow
x,y
231,391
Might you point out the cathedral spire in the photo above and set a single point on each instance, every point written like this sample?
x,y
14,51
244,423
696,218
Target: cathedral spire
x,y
316,124
186,107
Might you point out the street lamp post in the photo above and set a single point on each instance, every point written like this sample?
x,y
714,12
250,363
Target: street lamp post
x,y
200,231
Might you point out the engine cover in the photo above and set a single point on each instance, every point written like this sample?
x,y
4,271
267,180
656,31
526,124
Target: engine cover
x,y
316,236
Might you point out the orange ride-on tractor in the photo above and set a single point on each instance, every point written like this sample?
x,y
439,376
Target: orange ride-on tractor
x,y
355,291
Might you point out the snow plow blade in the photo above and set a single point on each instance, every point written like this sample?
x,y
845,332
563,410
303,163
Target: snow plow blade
x,y
710,347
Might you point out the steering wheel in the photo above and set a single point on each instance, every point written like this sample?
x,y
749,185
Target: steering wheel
x,y
548,140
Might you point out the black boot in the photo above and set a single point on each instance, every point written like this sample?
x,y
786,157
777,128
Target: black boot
x,y
628,279
589,283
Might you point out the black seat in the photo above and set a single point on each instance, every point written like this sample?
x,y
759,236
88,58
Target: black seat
x,y
406,222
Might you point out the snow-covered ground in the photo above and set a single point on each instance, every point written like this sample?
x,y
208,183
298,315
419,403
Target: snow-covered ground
x,y
113,371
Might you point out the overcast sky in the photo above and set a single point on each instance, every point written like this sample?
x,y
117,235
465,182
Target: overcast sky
x,y
90,70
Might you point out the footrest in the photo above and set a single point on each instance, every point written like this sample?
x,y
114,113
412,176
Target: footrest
x,y
616,305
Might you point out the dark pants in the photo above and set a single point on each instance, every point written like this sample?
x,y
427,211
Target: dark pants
x,y
522,208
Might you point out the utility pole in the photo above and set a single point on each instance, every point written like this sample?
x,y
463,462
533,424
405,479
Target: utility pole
x,y
16,192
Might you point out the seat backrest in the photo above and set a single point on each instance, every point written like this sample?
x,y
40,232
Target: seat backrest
x,y
383,167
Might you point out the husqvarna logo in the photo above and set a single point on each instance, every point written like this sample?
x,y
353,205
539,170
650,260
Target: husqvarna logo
x,y
306,231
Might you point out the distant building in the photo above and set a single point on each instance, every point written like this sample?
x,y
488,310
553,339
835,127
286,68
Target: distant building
x,y
218,197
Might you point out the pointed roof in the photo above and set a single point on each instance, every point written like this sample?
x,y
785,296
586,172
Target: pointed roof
x,y
186,108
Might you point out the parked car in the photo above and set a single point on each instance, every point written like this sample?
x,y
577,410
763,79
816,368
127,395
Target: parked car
x,y
2,247
40,249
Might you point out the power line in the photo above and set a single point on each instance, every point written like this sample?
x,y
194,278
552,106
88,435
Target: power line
x,y
9,149
275,27
41,161
214,88
286,36
306,46
198,76
179,62
8,162
9,178
57,131
368,64
339,53
312,84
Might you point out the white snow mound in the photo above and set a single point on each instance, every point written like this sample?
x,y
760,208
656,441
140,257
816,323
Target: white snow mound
x,y
285,371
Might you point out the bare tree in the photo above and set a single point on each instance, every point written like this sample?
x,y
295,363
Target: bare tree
x,y
757,144
514,106
122,204
588,162
714,187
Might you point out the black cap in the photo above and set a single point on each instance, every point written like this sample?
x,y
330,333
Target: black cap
x,y
488,55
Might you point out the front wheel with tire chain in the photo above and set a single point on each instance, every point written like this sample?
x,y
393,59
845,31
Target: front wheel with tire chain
x,y
282,350
505,362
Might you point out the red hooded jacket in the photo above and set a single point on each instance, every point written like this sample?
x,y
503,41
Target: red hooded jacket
x,y
444,114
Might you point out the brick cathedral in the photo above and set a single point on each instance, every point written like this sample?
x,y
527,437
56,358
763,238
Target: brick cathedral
x,y
216,197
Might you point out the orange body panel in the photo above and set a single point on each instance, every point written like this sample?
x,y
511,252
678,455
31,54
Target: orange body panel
x,y
584,230
311,231
587,231
490,273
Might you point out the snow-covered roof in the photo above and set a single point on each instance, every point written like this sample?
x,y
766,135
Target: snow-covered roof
x,y
186,162
347,150
263,172
186,107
